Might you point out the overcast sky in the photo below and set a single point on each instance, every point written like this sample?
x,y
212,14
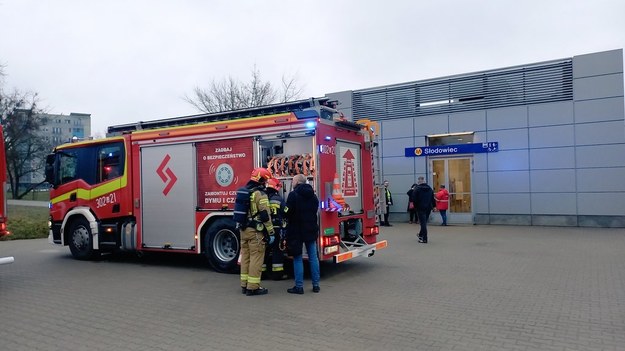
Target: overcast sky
x,y
125,61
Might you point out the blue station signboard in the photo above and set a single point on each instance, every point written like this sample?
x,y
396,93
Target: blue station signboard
x,y
442,150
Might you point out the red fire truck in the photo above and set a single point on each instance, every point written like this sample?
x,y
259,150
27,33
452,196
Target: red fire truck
x,y
170,184
3,198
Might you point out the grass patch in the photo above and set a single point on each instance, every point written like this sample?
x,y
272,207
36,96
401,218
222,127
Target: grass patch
x,y
27,222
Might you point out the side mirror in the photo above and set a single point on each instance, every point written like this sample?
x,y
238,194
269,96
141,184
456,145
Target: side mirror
x,y
50,160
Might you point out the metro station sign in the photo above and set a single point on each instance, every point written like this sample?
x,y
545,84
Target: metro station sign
x,y
441,150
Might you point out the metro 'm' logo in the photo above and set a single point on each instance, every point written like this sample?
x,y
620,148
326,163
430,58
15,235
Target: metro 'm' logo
x,y
166,174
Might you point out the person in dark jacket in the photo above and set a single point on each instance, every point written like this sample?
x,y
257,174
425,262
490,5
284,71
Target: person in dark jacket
x,y
412,211
423,199
388,202
302,229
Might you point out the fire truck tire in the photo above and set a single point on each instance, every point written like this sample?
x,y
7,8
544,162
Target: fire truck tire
x,y
80,239
222,245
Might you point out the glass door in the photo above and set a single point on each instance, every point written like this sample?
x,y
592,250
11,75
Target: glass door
x,y
455,174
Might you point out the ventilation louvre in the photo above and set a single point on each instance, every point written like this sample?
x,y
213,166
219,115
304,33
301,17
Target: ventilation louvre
x,y
539,83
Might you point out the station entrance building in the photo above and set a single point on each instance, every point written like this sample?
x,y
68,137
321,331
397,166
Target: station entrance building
x,y
536,144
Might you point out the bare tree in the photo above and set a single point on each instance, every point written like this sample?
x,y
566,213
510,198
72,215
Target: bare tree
x,y
25,149
290,89
230,94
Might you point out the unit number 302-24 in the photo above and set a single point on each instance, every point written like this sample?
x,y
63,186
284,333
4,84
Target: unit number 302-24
x,y
106,200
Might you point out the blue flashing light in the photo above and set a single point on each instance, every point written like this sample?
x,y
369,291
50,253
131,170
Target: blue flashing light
x,y
305,114
311,124
328,138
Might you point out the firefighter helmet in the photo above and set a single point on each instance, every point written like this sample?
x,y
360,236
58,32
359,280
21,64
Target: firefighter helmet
x,y
260,175
274,184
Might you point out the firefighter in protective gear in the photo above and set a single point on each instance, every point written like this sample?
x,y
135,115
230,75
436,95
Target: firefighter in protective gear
x,y
253,238
274,254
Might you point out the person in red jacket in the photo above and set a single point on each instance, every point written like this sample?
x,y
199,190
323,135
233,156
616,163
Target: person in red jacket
x,y
442,203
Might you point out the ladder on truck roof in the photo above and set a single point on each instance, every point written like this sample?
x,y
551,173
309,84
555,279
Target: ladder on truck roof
x,y
319,104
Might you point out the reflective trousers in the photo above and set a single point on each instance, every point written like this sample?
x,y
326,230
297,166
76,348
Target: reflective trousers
x,y
274,257
252,256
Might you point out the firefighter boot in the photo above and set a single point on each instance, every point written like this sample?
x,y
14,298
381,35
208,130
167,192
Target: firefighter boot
x,y
259,291
279,275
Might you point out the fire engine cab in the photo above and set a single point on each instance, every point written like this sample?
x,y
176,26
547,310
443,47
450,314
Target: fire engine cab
x,y
170,184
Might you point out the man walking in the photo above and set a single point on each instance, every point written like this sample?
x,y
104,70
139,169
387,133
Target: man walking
x,y
423,199
252,235
301,211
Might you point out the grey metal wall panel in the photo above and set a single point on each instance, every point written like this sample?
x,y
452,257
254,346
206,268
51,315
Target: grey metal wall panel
x,y
551,114
506,118
598,87
598,63
554,203
467,121
480,162
552,136
600,156
420,166
396,147
396,165
168,216
600,110
509,203
438,124
601,179
552,158
510,139
480,182
552,180
509,182
513,160
480,203
601,204
600,133
396,128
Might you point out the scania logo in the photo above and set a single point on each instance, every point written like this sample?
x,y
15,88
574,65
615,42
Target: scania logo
x,y
166,174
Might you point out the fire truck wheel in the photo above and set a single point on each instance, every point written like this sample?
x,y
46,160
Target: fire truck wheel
x,y
80,239
223,245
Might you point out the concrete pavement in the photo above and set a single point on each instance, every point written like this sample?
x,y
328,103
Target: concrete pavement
x,y
469,288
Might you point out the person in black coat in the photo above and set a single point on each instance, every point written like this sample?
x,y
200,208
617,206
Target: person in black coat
x,y
412,211
302,229
423,199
